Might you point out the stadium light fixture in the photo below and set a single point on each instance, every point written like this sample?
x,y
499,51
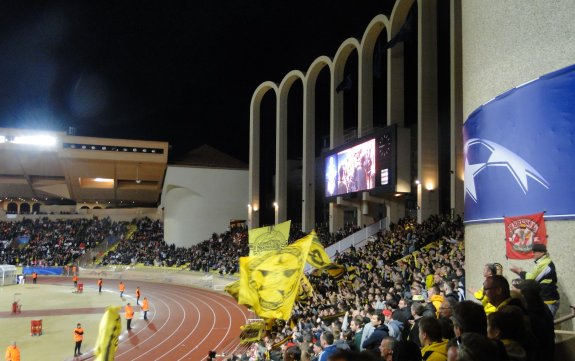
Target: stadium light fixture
x,y
39,140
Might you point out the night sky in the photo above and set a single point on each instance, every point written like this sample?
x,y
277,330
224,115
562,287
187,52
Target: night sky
x,y
175,71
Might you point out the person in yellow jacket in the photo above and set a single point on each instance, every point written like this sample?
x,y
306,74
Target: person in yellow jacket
x,y
78,337
12,352
435,298
434,347
490,269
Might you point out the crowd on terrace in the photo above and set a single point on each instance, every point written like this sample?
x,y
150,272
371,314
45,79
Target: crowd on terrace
x,y
47,242
403,293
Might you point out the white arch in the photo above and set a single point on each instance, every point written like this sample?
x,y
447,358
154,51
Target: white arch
x,y
339,61
377,25
308,161
254,157
281,143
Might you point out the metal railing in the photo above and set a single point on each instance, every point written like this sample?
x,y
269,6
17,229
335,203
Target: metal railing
x,y
357,239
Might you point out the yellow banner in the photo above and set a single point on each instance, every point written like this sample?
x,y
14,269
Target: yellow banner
x,y
317,257
233,289
269,283
305,291
265,239
251,332
108,333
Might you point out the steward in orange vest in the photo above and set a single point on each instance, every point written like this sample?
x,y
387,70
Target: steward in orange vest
x,y
129,313
78,337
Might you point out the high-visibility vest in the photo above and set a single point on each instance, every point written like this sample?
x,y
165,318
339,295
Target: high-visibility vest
x,y
78,334
129,312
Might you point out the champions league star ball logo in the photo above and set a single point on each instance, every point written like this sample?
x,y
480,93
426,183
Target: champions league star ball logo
x,y
499,156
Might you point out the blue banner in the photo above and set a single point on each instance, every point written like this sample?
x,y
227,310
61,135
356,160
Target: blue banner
x,y
520,151
49,271
23,239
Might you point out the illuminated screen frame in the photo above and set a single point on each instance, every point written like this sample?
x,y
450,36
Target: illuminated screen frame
x,y
367,164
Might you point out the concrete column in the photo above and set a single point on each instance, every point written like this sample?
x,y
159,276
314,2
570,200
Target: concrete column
x,y
395,86
427,108
335,217
336,136
281,160
365,91
308,163
254,165
395,210
457,193
505,44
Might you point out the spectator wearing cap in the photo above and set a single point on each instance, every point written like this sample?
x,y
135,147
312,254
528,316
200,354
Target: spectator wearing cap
x,y
544,273
395,327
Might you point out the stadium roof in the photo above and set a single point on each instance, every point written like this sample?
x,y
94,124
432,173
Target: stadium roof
x,y
207,156
54,167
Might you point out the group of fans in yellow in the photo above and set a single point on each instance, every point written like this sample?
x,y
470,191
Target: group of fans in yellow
x,y
398,297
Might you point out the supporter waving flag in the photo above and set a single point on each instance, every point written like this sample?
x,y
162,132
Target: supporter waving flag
x,y
269,283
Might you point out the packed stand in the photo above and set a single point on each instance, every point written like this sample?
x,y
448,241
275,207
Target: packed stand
x,y
147,246
403,298
46,242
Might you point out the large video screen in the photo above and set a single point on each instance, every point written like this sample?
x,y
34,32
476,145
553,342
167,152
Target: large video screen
x,y
366,165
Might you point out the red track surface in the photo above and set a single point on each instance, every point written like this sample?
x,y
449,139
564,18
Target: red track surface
x,y
184,323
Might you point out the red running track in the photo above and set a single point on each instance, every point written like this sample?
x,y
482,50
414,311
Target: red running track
x,y
184,323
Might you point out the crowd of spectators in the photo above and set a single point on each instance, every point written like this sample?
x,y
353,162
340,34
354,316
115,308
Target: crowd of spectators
x,y
146,245
403,293
403,298
46,242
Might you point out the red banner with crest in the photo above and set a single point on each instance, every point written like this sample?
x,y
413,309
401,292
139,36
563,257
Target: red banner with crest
x,y
522,232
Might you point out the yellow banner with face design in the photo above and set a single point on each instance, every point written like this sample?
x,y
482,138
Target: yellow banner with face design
x,y
265,239
269,283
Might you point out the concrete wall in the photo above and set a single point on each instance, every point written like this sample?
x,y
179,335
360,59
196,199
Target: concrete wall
x,y
505,44
200,201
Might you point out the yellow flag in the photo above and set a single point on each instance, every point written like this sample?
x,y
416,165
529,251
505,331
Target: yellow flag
x,y
269,282
335,271
270,238
305,290
108,333
317,256
233,289
251,332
